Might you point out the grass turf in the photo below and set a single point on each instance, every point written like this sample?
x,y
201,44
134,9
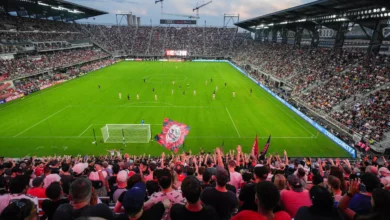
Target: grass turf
x,y
60,119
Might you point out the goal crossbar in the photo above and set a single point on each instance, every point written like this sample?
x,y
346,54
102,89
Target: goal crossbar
x,y
126,133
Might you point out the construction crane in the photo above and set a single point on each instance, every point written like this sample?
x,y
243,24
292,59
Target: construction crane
x,y
162,5
200,6
179,15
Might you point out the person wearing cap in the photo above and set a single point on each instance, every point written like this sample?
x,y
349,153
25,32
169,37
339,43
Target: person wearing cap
x,y
37,190
247,193
54,193
165,180
296,197
50,179
361,202
133,203
322,208
79,169
19,186
193,209
80,192
222,200
121,180
267,199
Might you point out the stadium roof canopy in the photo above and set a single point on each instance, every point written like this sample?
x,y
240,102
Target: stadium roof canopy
x,y
322,11
55,9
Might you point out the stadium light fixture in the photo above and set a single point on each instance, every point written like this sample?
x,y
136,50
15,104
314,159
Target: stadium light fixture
x,y
272,24
383,9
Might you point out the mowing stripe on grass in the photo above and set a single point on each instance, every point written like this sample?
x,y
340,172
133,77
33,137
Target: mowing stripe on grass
x,y
42,120
233,122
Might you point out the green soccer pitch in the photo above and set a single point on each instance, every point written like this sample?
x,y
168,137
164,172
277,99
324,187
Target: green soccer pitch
x,y
61,119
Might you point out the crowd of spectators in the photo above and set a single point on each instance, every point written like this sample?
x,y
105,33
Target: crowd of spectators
x,y
323,78
220,185
32,64
38,82
369,117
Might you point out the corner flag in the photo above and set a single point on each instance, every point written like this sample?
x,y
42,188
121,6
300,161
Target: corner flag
x,y
255,147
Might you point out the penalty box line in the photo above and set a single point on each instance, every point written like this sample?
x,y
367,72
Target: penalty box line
x,y
104,124
43,120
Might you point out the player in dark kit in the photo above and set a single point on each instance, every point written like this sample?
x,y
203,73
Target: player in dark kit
x,y
211,79
153,89
225,84
128,97
184,92
251,91
144,80
99,86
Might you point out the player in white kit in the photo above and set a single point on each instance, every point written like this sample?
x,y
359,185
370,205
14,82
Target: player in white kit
x,y
137,96
214,96
120,95
172,91
155,97
234,94
216,88
194,92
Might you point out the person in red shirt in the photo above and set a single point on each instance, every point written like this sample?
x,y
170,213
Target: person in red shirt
x,y
39,169
267,198
37,190
296,197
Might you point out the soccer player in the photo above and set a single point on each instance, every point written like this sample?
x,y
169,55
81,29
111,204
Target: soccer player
x,y
225,84
99,86
142,121
211,79
173,82
120,95
194,92
234,94
214,92
144,80
137,96
251,90
155,97
188,85
214,96
128,97
153,89
206,82
184,92
172,91
216,88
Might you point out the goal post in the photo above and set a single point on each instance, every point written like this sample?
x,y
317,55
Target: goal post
x,y
126,133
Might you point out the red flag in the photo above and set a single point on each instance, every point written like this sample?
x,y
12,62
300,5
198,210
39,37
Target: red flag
x,y
264,151
255,147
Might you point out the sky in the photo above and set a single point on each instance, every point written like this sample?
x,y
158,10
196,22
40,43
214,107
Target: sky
x,y
212,13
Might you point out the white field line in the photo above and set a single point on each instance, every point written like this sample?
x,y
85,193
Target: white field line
x,y
233,122
42,120
277,104
85,130
190,137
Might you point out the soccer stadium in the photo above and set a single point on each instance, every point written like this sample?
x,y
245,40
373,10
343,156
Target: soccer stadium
x,y
282,112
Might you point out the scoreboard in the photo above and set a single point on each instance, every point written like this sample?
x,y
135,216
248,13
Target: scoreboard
x,y
176,53
169,21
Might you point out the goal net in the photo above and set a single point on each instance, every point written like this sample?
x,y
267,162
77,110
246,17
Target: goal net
x,y
126,133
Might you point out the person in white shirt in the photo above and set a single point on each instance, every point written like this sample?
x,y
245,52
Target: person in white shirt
x,y
18,189
120,95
